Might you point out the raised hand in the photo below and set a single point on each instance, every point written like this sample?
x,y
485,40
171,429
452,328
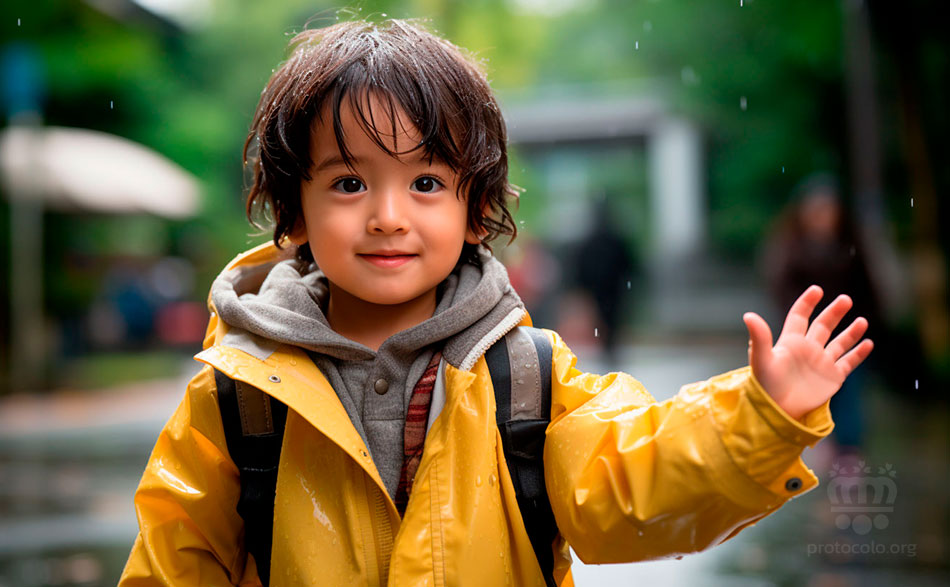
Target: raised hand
x,y
803,369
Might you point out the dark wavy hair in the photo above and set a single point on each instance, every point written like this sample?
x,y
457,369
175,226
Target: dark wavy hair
x,y
442,89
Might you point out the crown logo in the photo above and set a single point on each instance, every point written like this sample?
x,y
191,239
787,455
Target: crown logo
x,y
862,500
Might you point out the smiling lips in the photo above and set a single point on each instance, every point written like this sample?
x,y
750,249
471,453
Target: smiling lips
x,y
387,259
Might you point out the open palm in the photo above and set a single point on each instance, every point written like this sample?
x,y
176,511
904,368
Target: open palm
x,y
803,370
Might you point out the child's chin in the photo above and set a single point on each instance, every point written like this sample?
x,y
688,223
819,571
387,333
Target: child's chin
x,y
389,297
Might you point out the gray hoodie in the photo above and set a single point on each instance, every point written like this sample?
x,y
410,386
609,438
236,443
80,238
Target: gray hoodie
x,y
475,306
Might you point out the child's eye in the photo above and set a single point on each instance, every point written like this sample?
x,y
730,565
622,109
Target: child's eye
x,y
349,185
426,185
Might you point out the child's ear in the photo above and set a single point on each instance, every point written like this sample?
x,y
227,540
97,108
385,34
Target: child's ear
x,y
298,235
473,237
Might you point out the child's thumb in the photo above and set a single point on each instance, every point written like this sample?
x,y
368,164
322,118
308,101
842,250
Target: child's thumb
x,y
760,340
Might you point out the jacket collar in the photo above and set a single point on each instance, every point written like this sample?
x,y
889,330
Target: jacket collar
x,y
291,377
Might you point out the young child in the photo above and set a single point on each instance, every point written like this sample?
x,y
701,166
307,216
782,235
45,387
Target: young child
x,y
382,163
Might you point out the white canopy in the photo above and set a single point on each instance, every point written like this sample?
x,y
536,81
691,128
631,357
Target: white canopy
x,y
80,169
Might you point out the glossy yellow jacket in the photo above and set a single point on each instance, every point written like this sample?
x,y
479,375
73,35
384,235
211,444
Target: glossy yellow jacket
x,y
629,478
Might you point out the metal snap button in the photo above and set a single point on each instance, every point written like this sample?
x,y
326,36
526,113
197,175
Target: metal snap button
x,y
274,379
381,386
793,484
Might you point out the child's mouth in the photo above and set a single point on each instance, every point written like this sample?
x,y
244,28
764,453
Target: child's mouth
x,y
387,260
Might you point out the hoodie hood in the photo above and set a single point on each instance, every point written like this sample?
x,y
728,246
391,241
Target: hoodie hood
x,y
474,302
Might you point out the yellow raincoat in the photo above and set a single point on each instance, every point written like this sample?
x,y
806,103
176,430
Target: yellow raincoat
x,y
629,478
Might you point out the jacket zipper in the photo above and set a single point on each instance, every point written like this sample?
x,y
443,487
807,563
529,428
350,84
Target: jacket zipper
x,y
384,535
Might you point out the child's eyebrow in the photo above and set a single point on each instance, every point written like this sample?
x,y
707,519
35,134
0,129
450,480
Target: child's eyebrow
x,y
333,161
337,161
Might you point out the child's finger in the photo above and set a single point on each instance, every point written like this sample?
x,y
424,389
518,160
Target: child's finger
x,y
760,340
855,357
822,327
846,339
797,320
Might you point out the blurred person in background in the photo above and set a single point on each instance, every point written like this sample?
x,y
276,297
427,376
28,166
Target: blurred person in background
x,y
816,242
602,267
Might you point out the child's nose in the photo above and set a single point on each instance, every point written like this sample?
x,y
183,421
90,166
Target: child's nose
x,y
389,213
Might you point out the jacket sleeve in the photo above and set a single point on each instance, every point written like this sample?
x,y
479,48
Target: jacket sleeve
x,y
189,530
631,479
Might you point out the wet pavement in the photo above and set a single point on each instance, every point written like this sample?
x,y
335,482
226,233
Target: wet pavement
x,y
70,461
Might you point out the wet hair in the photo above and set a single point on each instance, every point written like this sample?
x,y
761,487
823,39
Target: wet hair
x,y
440,88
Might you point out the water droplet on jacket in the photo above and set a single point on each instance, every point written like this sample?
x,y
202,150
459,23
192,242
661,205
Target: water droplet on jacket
x,y
293,361
478,480
639,532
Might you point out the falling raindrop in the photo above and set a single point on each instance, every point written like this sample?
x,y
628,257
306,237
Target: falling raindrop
x,y
916,383
110,104
628,285
595,332
783,169
740,3
912,202
18,22
743,103
636,45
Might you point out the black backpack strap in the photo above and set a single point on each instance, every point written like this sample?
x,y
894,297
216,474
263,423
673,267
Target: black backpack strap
x,y
520,368
254,430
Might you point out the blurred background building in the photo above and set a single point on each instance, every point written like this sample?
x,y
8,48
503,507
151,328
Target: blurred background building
x,y
667,149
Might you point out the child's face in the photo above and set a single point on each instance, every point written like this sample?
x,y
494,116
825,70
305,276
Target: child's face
x,y
389,230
